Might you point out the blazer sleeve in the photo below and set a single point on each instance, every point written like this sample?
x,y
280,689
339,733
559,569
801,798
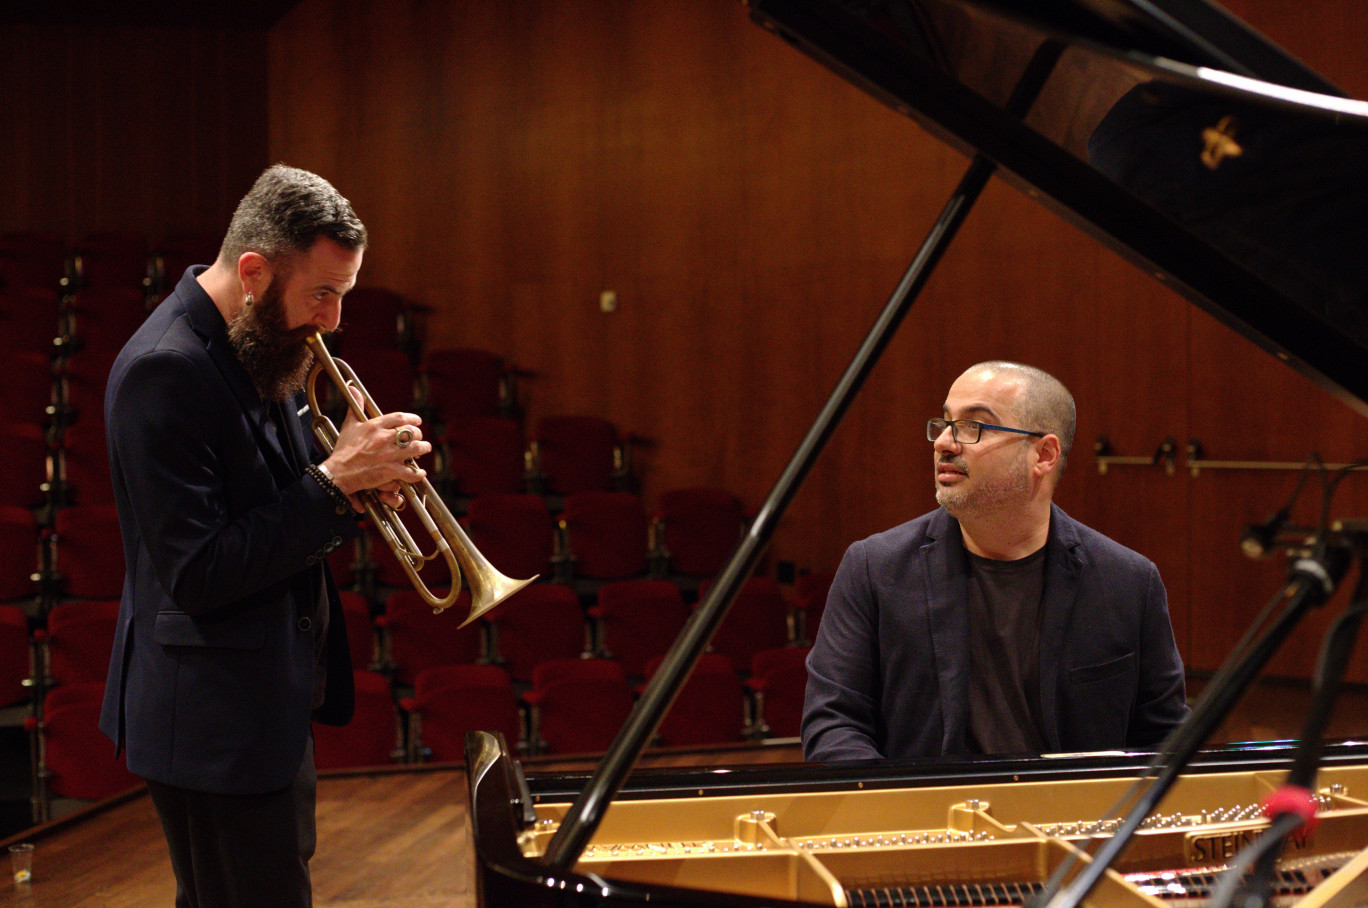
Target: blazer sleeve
x,y
1161,698
204,503
841,717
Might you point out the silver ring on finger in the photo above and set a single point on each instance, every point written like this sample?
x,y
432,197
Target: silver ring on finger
x,y
403,437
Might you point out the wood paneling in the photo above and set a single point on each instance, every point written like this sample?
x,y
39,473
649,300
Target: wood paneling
x,y
753,212
749,209
151,130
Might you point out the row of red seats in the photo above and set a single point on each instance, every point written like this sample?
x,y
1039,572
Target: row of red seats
x,y
594,537
598,537
107,270
579,705
53,433
632,623
102,260
573,706
54,421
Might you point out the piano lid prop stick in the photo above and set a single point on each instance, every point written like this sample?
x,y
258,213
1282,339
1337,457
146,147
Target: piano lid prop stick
x,y
585,814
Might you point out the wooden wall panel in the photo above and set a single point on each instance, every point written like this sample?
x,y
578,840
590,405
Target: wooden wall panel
x,y
1246,408
152,130
753,212
750,210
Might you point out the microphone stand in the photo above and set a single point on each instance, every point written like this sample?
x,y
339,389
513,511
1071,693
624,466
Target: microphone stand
x,y
1313,579
1293,806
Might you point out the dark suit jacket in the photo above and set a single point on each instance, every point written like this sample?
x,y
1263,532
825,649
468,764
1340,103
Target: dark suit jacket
x,y
888,675
211,678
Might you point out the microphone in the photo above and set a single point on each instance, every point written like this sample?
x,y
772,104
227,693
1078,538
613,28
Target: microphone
x,y
1257,539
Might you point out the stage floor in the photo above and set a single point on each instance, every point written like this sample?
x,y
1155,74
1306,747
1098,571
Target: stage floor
x,y
386,838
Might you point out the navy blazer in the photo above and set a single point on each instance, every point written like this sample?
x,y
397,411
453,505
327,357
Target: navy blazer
x,y
211,678
888,675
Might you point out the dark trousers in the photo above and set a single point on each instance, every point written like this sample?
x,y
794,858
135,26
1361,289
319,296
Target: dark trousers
x,y
241,851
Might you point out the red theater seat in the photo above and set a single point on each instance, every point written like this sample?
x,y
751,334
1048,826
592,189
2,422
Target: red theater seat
x,y
577,705
449,701
778,682
372,736
637,620
710,707
537,624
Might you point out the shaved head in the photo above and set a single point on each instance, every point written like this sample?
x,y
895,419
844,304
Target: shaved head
x,y
1045,405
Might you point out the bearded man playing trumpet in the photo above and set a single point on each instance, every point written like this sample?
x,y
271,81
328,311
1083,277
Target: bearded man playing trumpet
x,y
231,637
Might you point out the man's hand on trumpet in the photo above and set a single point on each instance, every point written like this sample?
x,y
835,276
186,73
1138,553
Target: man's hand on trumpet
x,y
375,454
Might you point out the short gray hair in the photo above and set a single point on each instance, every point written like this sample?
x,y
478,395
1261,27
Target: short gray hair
x,y
1046,405
284,214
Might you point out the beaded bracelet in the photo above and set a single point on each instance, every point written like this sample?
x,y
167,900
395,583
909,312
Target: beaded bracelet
x,y
320,475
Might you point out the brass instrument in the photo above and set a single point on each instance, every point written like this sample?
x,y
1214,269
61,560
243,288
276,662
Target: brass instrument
x,y
488,587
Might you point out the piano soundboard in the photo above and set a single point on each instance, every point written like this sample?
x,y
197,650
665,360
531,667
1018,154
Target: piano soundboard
x,y
987,844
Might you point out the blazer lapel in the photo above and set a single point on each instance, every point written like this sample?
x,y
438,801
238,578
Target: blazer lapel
x,y
1062,570
294,430
209,325
946,594
268,439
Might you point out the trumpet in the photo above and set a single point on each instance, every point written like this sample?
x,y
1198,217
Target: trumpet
x,y
488,587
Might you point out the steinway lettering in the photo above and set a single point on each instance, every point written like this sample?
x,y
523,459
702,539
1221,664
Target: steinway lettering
x,y
1220,847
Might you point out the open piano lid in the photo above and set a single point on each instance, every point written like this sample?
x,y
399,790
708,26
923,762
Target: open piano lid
x,y
1166,128
1265,234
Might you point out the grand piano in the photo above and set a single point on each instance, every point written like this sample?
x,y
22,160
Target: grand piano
x,y
1225,168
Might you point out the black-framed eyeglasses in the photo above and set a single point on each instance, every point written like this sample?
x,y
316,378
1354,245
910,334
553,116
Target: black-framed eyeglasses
x,y
968,431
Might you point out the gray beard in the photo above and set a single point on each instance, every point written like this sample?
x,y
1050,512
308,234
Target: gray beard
x,y
1008,490
277,360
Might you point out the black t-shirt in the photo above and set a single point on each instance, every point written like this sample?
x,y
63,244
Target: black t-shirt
x,y
1004,654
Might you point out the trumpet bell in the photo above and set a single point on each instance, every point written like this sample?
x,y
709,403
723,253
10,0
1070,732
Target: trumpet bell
x,y
487,586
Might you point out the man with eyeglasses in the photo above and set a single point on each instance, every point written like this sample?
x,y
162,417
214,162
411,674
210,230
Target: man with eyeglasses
x,y
995,624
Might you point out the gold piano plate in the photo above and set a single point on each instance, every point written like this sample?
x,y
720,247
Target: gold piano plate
x,y
832,848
